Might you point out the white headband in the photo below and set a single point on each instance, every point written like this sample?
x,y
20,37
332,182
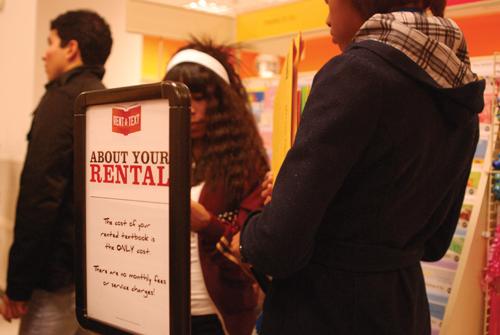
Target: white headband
x,y
198,57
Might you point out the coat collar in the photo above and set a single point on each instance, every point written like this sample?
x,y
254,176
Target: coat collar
x,y
63,79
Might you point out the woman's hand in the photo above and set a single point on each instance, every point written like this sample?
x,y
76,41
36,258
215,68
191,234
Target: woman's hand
x,y
200,217
235,246
267,187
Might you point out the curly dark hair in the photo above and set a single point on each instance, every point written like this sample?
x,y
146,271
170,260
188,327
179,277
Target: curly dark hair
x,y
233,151
370,7
91,32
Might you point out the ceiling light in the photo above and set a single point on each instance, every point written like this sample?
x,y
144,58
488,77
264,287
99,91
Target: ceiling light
x,y
211,7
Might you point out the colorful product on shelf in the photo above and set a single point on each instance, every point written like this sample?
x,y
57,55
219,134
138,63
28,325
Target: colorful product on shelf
x,y
496,185
491,282
496,163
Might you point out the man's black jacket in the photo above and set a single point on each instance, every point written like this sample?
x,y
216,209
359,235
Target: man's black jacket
x,y
43,250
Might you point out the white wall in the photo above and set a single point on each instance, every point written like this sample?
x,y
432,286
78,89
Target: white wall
x,y
123,67
24,26
17,47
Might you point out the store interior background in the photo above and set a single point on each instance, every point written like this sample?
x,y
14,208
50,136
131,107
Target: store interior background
x,y
145,34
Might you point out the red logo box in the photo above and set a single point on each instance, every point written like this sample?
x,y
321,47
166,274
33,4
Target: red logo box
x,y
126,120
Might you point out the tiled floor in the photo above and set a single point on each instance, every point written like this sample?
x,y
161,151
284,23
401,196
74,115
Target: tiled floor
x,y
8,328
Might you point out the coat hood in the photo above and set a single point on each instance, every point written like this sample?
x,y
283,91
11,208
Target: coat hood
x,y
431,50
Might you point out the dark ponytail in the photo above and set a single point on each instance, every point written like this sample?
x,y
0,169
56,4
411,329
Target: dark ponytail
x,y
437,7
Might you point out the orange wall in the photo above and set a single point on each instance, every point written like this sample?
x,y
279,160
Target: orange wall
x,y
482,33
150,57
460,2
157,51
246,66
317,51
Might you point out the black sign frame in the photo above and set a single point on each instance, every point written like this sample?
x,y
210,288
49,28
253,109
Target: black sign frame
x,y
179,192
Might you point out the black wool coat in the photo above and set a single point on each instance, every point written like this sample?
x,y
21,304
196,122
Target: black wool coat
x,y
373,184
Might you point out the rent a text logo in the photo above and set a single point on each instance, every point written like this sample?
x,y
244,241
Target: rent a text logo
x,y
126,120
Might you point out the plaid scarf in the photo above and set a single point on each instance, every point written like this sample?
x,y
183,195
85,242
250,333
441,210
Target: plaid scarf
x,y
435,44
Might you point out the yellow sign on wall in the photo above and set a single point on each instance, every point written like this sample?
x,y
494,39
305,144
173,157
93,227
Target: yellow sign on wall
x,y
281,20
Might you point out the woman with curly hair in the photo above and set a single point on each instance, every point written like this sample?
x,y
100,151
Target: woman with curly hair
x,y
229,165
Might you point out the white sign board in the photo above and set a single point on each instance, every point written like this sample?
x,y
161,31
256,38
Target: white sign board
x,y
127,217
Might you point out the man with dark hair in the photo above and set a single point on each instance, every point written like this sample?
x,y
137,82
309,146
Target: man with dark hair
x,y
40,282
90,31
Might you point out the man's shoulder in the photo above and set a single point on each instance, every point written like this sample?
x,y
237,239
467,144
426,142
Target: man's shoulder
x,y
80,83
76,81
358,63
62,97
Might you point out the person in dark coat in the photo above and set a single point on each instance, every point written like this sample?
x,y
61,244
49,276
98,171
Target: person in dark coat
x,y
375,180
40,279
